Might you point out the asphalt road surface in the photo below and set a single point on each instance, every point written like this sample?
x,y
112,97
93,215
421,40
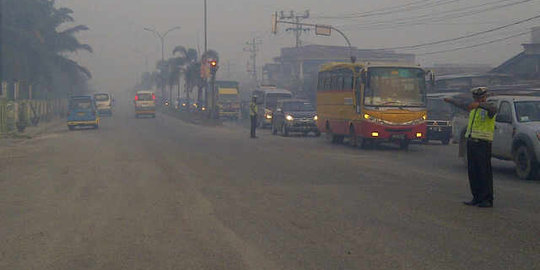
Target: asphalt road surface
x,y
164,194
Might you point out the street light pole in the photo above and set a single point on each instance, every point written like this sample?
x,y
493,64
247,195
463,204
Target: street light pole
x,y
204,61
162,40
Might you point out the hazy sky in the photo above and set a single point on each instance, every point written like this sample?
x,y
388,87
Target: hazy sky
x,y
121,45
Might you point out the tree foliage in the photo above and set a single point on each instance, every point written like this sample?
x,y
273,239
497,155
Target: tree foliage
x,y
35,46
185,64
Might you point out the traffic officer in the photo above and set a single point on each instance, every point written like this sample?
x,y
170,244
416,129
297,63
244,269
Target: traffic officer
x,y
479,136
253,110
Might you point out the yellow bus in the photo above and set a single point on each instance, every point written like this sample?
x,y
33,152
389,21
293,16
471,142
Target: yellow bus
x,y
371,103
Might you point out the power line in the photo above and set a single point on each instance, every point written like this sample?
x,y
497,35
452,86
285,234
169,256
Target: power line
x,y
375,11
465,36
450,14
476,45
403,9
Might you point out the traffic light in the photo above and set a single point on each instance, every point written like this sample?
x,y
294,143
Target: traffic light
x,y
213,66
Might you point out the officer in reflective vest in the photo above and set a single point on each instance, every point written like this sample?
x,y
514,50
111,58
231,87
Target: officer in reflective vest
x,y
253,110
479,136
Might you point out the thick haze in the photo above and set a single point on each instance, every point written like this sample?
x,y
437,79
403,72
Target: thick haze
x,y
121,46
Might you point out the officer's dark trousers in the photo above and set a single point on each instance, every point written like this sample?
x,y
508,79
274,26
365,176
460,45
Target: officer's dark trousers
x,y
480,174
253,125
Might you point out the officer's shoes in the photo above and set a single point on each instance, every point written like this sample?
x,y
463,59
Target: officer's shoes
x,y
485,204
471,203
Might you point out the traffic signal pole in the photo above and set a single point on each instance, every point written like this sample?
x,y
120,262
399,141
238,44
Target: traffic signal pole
x,y
214,111
276,20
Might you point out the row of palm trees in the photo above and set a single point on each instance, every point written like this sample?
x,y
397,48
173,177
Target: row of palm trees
x,y
184,65
35,51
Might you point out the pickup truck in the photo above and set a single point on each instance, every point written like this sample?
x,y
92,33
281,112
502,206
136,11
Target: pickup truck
x,y
517,133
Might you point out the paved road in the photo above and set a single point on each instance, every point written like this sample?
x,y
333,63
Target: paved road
x,y
164,194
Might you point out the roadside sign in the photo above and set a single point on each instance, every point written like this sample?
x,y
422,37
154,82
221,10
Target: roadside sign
x,y
323,30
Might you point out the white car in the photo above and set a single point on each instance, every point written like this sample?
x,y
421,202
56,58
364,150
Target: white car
x,y
517,133
104,103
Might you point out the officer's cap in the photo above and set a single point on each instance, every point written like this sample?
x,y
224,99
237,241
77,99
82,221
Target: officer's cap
x,y
479,91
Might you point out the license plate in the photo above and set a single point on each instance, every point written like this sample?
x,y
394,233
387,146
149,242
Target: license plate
x,y
81,114
398,136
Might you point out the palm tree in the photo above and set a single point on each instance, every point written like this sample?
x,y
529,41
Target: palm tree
x,y
186,61
34,50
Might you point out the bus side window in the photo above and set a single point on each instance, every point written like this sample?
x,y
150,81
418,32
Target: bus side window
x,y
328,84
320,82
347,82
341,80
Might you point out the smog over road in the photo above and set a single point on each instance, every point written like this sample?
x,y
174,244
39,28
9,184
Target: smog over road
x,y
250,134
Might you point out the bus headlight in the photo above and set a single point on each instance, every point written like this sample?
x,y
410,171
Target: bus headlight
x,y
316,118
268,116
289,117
424,117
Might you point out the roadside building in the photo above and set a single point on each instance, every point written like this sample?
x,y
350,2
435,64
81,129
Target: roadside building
x,y
526,65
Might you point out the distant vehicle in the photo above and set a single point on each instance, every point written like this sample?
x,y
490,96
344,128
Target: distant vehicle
x,y
372,103
517,133
82,112
267,99
439,120
228,99
145,104
104,103
295,115
185,105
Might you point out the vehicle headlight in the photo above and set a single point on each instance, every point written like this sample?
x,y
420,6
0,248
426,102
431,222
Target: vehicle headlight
x,y
369,117
315,117
289,117
268,116
424,117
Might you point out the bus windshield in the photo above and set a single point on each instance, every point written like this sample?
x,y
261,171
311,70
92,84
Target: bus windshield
x,y
396,87
228,98
101,97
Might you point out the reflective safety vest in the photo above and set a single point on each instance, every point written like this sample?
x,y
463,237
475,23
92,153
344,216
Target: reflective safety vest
x,y
253,109
481,126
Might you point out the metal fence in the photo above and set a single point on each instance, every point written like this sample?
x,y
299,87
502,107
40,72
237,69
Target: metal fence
x,y
29,112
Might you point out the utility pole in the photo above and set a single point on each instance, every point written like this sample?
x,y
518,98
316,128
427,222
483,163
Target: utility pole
x,y
204,60
253,49
298,28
